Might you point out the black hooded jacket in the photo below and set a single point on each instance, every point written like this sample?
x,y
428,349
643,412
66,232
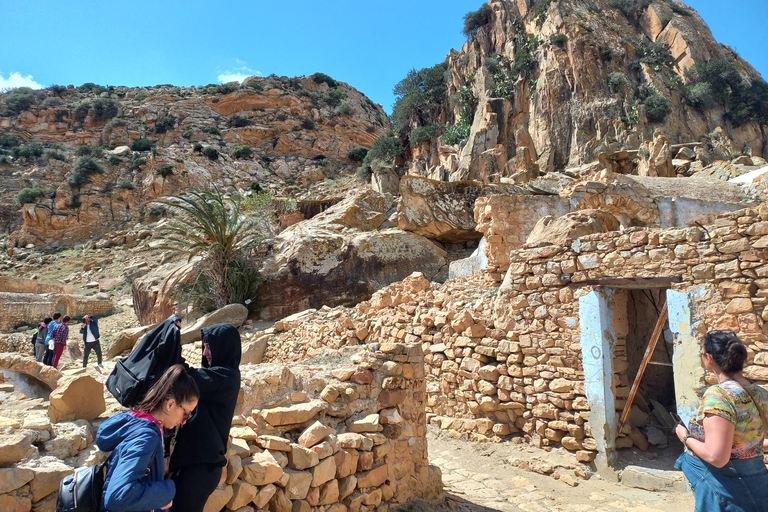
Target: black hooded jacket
x,y
203,439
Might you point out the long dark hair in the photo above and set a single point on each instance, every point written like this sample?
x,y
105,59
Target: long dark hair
x,y
175,383
727,350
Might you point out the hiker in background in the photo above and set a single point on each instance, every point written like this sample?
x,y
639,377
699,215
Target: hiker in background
x,y
90,331
42,333
201,444
49,346
135,476
724,441
59,337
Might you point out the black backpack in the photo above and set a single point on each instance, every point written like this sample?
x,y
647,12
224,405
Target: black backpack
x,y
34,337
81,491
156,352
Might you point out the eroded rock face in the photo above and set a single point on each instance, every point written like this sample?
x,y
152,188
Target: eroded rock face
x,y
154,294
441,210
563,230
338,257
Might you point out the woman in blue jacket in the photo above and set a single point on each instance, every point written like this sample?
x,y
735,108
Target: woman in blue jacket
x,y
134,481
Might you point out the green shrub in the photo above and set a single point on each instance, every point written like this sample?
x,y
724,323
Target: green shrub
x,y
679,8
701,95
106,147
9,141
540,8
137,163
213,130
333,96
89,86
474,20
211,152
187,133
242,151
74,202
103,108
363,174
5,160
83,168
320,78
607,53
141,96
127,185
253,84
308,124
156,211
385,148
57,89
419,97
164,124
239,121
29,195
254,185
617,81
665,17
115,123
49,154
345,109
630,8
653,53
457,133
114,160
164,171
657,108
357,154
425,133
643,152
51,102
20,99
142,145
197,147
558,39
84,151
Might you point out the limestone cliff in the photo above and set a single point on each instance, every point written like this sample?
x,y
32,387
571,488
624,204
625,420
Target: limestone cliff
x,y
287,135
543,85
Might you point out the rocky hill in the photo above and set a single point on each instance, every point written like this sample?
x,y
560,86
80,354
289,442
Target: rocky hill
x,y
544,85
91,158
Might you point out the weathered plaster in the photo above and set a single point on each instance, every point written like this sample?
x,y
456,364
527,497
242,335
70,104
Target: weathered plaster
x,y
597,338
686,361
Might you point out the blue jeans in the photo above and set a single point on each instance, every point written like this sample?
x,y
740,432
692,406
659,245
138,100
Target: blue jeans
x,y
739,486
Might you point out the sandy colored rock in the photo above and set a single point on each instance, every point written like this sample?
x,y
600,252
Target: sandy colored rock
x,y
218,499
77,397
302,458
314,433
126,339
13,478
242,494
323,472
234,314
261,470
298,484
13,448
298,413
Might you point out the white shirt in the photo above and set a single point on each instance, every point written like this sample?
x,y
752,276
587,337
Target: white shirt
x,y
89,337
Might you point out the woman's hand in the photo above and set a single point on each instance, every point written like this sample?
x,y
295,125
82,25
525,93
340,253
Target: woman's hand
x,y
167,506
681,432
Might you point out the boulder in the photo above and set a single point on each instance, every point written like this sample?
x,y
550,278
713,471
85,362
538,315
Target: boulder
x,y
48,472
77,397
154,294
234,314
253,352
443,210
126,339
337,258
13,448
563,230
28,366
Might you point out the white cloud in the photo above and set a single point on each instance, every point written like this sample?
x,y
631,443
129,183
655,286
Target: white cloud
x,y
15,80
237,74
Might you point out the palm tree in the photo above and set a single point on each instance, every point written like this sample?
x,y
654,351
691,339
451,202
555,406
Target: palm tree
x,y
214,226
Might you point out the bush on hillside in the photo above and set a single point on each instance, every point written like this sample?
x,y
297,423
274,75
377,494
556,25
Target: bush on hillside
x,y
425,133
334,96
242,151
213,130
239,121
29,195
357,154
419,98
83,168
320,78
617,81
164,124
657,108
20,99
164,171
142,145
9,141
475,19
558,39
211,152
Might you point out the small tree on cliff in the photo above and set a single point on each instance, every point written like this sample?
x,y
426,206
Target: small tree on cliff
x,y
214,226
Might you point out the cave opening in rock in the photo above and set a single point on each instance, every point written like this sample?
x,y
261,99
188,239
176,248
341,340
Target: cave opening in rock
x,y
26,384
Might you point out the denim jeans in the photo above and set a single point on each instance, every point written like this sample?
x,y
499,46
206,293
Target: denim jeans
x,y
739,486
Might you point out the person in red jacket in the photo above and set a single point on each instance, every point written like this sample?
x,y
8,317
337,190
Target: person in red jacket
x,y
59,336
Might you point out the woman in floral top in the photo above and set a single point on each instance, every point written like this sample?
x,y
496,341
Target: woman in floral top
x,y
724,441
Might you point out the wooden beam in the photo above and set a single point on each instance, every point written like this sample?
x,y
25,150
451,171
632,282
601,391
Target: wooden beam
x,y
633,281
643,364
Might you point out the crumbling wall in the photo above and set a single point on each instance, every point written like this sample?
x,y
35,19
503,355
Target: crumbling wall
x,y
347,434
31,308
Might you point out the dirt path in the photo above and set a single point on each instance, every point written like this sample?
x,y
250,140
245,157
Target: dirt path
x,y
486,476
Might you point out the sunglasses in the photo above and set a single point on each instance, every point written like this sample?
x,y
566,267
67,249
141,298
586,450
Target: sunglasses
x,y
187,415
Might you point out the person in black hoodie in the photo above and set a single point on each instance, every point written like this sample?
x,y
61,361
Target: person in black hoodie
x,y
201,444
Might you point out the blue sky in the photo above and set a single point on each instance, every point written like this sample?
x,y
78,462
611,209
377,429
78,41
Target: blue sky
x,y
369,44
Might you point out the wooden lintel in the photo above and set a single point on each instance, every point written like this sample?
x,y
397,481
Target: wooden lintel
x,y
634,281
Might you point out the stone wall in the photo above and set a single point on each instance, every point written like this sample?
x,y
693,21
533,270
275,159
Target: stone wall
x,y
31,308
345,433
21,285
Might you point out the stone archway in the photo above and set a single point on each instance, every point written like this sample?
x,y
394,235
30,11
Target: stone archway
x,y
27,365
64,304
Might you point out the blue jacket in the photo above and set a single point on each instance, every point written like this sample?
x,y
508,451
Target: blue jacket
x,y
128,487
94,329
51,325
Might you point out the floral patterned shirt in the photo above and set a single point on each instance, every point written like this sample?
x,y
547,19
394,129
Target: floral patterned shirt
x,y
730,401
